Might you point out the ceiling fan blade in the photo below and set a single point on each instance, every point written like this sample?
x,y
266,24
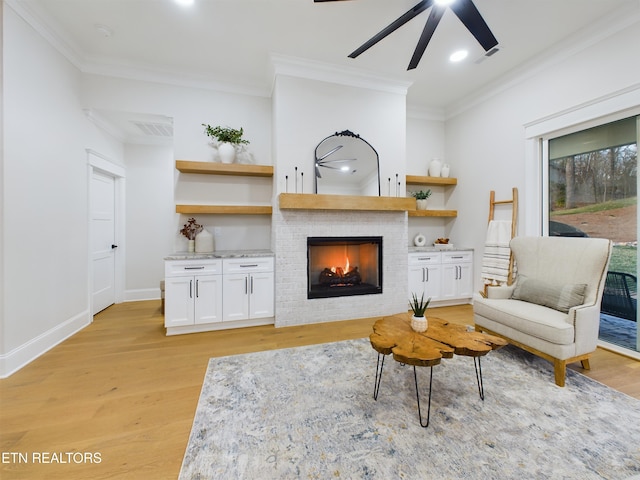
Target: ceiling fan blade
x,y
333,150
392,27
342,160
430,27
470,16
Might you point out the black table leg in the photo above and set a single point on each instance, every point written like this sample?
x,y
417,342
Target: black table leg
x,y
415,377
379,367
478,366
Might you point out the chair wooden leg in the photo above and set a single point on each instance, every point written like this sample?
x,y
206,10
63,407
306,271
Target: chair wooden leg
x,y
560,370
585,364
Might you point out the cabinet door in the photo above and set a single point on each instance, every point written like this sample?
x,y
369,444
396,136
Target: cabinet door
x,y
465,280
208,299
261,288
417,276
449,281
433,282
179,302
236,297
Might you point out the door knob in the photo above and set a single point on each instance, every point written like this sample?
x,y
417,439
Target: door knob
x,y
114,246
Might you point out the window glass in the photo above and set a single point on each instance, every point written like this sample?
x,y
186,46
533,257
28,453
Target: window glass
x,y
593,193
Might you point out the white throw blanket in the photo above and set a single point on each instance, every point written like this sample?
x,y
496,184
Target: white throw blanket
x,y
497,254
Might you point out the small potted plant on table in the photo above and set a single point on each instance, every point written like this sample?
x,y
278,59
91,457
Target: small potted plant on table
x,y
419,307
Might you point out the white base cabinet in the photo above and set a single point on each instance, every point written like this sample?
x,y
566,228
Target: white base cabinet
x,y
425,271
446,276
216,293
248,288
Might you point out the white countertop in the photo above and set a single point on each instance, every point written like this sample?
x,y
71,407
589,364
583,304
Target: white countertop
x,y
220,254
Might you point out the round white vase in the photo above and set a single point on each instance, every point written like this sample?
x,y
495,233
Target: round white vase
x,y
227,152
421,204
419,324
435,168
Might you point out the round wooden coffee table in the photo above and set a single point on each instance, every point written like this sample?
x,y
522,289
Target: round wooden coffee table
x,y
394,335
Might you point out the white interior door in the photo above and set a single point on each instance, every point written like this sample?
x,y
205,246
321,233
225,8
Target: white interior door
x,y
103,242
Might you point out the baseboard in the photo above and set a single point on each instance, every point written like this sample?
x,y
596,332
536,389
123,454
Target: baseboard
x,y
142,294
26,353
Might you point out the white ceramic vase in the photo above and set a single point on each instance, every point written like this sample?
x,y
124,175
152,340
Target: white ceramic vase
x,y
419,324
227,152
435,168
421,204
444,172
191,247
204,242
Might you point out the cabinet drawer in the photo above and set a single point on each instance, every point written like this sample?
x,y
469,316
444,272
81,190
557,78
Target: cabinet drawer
x,y
425,258
247,265
174,268
457,257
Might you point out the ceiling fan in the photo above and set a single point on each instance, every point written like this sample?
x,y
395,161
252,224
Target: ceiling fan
x,y
322,162
465,10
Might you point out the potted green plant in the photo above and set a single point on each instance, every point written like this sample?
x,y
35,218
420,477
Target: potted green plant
x,y
226,139
419,307
421,198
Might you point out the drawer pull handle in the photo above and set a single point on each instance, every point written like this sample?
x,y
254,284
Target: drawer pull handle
x,y
424,258
460,256
194,268
249,266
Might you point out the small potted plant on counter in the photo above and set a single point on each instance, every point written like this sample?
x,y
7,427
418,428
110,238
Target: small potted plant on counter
x,y
226,140
421,198
419,307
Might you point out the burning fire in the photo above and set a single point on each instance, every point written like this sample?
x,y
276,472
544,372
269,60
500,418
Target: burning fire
x,y
346,268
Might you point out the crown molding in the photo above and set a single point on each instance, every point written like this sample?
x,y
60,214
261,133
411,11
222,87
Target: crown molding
x,y
33,15
574,44
327,72
109,68
426,113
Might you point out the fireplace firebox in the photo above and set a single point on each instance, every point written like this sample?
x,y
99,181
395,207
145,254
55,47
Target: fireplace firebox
x,y
344,266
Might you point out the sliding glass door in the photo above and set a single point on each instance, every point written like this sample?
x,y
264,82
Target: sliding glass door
x,y
592,192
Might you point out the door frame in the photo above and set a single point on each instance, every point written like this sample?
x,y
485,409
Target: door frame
x,y
99,162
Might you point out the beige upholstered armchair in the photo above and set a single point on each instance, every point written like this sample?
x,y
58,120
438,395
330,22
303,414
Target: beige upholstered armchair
x,y
553,308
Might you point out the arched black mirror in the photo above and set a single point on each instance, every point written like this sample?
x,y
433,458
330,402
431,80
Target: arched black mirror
x,y
346,164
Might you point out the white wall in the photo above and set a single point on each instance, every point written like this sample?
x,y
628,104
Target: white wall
x,y
45,196
149,211
488,139
190,108
426,141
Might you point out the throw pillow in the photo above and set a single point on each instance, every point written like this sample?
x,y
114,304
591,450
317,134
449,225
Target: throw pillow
x,y
558,297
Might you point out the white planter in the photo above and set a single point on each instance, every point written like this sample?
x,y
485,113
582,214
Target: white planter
x,y
421,204
227,152
191,246
444,172
419,324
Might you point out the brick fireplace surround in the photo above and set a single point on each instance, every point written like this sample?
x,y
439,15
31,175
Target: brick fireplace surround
x,y
290,231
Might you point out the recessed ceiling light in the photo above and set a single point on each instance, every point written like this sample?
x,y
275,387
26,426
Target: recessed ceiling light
x,y
185,3
444,3
458,56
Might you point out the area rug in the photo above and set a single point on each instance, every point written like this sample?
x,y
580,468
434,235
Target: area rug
x,y
309,412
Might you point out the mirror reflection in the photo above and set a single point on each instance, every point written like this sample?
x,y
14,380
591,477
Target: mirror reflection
x,y
346,164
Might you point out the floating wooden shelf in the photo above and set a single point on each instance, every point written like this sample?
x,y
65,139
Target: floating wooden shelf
x,y
225,209
213,168
311,201
433,213
422,180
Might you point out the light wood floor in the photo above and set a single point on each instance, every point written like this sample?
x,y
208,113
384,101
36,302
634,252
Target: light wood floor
x,y
124,390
